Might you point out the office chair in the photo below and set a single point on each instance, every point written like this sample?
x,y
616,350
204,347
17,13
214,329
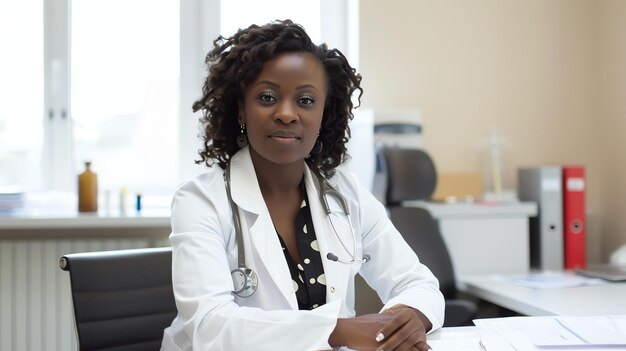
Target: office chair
x,y
123,300
411,175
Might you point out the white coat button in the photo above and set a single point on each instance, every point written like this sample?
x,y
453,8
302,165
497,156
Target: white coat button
x,y
332,289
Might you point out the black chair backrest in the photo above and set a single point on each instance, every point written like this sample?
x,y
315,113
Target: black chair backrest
x,y
411,175
421,232
123,299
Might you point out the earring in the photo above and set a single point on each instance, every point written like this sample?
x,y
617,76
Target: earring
x,y
317,148
242,138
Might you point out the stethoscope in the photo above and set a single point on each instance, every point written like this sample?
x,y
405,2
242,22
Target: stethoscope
x,y
246,280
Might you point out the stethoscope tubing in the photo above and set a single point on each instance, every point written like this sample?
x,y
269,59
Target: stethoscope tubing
x,y
249,276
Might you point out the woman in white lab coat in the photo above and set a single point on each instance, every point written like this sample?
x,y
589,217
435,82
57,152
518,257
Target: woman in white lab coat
x,y
275,115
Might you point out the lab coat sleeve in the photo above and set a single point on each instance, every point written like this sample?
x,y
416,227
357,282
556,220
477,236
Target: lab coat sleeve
x,y
395,271
202,288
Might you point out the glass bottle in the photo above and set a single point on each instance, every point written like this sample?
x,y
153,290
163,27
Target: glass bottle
x,y
493,168
88,190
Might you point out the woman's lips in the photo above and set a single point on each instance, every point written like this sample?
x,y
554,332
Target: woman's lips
x,y
284,136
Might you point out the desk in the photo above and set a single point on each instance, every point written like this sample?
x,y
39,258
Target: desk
x,y
578,301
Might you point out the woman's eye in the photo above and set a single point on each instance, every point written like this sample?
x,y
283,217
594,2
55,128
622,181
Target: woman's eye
x,y
306,100
266,97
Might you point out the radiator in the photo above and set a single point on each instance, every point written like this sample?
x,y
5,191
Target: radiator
x,y
35,298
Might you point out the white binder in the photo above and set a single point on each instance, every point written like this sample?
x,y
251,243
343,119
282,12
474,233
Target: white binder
x,y
543,186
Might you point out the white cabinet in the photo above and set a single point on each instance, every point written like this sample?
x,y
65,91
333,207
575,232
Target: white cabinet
x,y
484,238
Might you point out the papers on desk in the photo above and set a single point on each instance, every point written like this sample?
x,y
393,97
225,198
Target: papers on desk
x,y
555,333
549,280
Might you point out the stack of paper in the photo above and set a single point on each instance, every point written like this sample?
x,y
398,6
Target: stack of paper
x,y
596,333
11,197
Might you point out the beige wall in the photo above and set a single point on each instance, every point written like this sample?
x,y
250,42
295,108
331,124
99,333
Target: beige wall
x,y
539,71
612,24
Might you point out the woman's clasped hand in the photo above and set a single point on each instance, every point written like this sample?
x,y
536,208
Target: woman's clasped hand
x,y
398,328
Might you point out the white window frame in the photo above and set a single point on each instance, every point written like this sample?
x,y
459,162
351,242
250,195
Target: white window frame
x,y
57,162
199,26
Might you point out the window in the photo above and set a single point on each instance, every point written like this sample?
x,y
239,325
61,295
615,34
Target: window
x,y
111,81
21,93
334,22
305,13
124,92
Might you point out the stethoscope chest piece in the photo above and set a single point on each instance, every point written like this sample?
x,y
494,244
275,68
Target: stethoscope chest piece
x,y
245,281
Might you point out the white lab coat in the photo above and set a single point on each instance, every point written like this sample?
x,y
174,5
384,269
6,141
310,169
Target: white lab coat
x,y
204,246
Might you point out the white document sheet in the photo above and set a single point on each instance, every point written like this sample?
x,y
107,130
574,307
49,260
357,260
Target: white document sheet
x,y
553,333
549,280
462,341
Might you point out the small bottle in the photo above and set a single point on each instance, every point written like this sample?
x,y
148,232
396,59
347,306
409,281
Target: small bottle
x,y
123,200
107,202
88,190
138,202
496,169
493,168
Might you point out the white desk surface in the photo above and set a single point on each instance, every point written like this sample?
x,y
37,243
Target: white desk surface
x,y
590,300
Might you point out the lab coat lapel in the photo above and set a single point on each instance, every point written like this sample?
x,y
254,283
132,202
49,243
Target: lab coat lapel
x,y
337,273
244,185
259,228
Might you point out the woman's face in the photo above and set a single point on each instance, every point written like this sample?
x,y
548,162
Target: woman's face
x,y
283,107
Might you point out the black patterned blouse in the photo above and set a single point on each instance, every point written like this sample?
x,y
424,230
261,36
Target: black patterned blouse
x,y
307,277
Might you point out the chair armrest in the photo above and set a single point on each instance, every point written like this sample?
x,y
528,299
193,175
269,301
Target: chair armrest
x,y
459,313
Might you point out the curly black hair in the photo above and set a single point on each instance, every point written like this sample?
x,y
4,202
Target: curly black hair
x,y
236,61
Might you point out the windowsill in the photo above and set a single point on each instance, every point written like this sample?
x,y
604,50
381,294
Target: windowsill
x,y
58,211
37,219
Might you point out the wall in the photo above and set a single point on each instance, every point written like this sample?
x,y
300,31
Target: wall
x,y
531,69
612,24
